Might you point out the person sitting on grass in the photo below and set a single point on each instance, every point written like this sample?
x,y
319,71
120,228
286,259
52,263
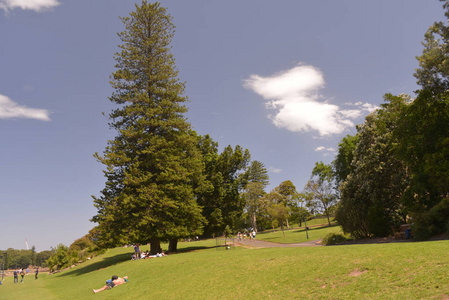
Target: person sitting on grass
x,y
114,281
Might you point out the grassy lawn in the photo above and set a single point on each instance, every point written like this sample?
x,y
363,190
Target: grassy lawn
x,y
376,271
297,235
317,221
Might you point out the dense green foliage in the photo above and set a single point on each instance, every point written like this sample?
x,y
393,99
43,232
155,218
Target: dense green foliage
x,y
371,194
226,176
342,165
13,258
433,71
400,162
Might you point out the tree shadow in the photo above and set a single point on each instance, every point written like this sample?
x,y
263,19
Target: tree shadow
x,y
116,259
314,228
193,248
104,263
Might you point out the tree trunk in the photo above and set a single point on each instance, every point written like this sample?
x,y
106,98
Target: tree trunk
x,y
282,228
286,222
327,215
173,245
155,246
254,221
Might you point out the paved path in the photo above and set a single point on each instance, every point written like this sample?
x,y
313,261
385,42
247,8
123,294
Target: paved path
x,y
264,244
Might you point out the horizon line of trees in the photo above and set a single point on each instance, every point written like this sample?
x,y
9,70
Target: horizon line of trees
x,y
22,259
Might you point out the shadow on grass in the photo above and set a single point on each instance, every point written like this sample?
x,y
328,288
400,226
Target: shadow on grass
x,y
296,231
119,258
315,228
193,248
104,263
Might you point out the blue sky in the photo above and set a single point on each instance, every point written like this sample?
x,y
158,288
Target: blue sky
x,y
284,79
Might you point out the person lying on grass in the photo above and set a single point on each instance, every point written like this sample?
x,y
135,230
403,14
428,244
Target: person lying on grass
x,y
115,280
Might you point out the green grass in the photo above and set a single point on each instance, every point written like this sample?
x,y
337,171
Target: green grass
x,y
385,271
298,235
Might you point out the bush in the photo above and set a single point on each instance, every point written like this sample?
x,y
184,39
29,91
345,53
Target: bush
x,y
378,221
431,223
334,239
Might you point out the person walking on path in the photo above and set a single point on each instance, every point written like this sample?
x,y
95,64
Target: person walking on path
x,y
22,273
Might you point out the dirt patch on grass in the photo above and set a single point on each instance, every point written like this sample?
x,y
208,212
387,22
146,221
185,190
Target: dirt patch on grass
x,y
357,272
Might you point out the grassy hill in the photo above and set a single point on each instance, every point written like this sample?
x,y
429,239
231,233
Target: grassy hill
x,y
375,271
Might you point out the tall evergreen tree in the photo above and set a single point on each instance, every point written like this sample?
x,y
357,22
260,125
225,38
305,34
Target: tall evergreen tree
x,y
258,179
153,163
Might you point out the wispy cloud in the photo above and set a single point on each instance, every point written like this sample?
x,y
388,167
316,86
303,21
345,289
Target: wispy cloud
x,y
36,5
10,110
294,96
322,148
274,170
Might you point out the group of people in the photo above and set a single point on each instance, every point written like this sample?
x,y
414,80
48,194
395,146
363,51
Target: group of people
x,y
250,234
22,273
144,255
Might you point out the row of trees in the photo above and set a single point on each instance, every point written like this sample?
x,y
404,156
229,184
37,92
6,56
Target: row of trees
x,y
13,258
396,167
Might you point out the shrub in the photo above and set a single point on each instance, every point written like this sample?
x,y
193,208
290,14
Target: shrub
x,y
333,239
378,221
431,223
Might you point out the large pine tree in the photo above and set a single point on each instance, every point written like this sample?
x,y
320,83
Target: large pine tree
x,y
153,163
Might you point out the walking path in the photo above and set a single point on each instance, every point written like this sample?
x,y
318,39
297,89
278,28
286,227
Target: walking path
x,y
264,244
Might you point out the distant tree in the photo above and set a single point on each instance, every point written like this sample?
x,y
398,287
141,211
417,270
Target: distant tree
x,y
277,209
60,258
321,188
227,233
258,179
42,257
288,192
258,173
33,255
153,163
279,203
299,214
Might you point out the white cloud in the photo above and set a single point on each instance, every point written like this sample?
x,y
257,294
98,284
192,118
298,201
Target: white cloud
x,y
322,148
274,170
10,109
363,107
293,94
36,5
